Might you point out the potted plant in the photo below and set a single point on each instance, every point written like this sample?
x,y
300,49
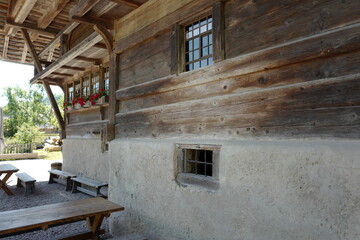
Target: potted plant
x,y
67,106
78,102
99,97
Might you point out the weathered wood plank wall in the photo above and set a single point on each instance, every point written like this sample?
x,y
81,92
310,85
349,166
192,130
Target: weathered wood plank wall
x,y
291,72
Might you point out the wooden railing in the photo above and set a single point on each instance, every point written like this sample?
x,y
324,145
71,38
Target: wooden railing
x,y
19,148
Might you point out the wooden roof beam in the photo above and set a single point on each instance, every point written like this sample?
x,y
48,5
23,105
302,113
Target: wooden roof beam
x,y
94,21
82,7
62,74
56,40
73,68
32,50
95,61
48,31
129,3
56,7
81,47
18,11
6,44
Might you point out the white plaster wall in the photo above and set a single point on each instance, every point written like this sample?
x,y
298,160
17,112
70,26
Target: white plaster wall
x,y
84,158
269,190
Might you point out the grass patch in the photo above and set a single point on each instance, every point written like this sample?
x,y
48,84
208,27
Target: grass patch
x,y
55,155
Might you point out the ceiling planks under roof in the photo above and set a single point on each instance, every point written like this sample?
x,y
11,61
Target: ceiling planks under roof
x,y
46,21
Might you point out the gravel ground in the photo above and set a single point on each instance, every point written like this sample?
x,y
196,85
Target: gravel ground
x,y
44,194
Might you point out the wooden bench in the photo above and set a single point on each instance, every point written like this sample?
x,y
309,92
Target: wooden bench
x,y
26,181
62,178
93,210
80,182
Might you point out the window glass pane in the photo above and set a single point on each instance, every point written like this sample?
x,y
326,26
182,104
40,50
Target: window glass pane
x,y
210,60
189,45
204,63
196,54
196,65
210,49
203,29
205,41
196,43
209,26
196,32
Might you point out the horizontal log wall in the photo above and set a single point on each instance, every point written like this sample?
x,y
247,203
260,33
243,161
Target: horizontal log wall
x,y
291,72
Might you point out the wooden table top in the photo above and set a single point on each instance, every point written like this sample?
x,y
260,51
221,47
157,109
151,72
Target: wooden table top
x,y
5,168
43,216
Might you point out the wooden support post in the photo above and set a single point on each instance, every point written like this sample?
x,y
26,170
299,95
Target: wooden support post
x,y
177,49
32,50
219,32
64,44
55,107
113,86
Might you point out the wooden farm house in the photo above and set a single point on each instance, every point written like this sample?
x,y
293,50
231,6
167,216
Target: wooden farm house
x,y
224,120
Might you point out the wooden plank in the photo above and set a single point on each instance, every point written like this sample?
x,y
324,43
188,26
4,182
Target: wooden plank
x,y
18,12
73,68
218,32
32,50
295,73
49,15
24,53
82,7
65,30
134,56
129,3
94,20
321,103
74,52
113,86
282,22
154,67
48,215
339,41
5,48
177,49
155,25
48,31
95,61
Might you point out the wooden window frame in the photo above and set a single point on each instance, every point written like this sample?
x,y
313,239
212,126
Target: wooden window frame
x,y
195,179
218,34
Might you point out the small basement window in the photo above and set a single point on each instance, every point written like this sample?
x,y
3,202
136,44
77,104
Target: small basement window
x,y
199,165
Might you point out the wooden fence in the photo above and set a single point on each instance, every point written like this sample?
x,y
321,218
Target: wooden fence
x,y
19,148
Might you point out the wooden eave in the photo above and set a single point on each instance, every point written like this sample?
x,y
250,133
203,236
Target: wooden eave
x,y
47,21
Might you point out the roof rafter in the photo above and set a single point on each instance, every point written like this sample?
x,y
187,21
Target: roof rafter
x,y
56,7
81,47
129,3
18,11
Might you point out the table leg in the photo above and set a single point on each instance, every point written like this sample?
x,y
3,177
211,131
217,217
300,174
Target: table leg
x,y
3,184
94,224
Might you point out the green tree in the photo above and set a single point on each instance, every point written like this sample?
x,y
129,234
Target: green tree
x,y
31,107
29,134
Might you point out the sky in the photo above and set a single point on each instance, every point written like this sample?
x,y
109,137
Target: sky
x,y
12,74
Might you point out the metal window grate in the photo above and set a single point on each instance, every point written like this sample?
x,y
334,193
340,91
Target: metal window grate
x,y
71,93
77,93
199,162
95,83
106,79
86,86
198,44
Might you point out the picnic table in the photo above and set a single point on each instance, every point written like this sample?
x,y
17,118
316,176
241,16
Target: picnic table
x,y
8,170
93,210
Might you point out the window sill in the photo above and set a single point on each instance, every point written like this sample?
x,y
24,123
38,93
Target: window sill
x,y
207,183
